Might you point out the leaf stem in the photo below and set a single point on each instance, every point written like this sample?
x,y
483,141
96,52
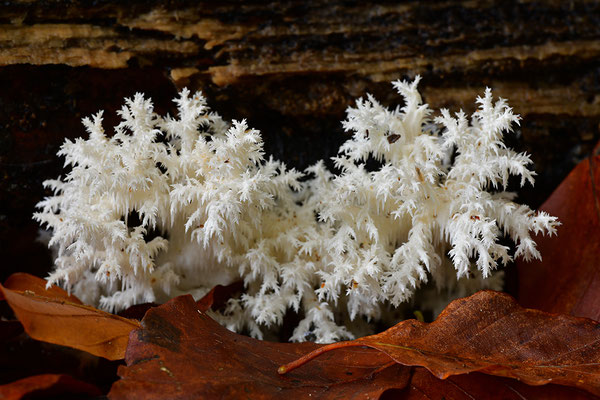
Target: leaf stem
x,y
313,354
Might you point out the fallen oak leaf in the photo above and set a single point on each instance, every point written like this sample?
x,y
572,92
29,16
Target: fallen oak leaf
x,y
490,333
568,281
181,353
59,321
47,385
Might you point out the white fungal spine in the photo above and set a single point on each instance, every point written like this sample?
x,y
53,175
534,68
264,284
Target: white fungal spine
x,y
332,247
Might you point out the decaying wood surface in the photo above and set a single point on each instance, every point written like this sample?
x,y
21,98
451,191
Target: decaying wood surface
x,y
291,69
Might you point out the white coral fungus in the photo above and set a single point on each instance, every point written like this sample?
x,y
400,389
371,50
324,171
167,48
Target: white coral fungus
x,y
168,206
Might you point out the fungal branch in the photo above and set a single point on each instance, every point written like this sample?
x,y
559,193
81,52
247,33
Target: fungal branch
x,y
339,249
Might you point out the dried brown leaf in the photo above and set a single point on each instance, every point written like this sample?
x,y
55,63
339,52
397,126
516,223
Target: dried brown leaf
x,y
59,321
425,386
136,311
20,281
219,295
214,299
181,353
490,333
